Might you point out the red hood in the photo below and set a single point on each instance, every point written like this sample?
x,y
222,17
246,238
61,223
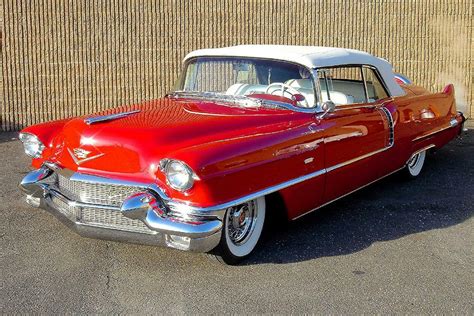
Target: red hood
x,y
134,144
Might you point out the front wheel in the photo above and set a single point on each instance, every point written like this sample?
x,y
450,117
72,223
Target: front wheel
x,y
415,164
243,225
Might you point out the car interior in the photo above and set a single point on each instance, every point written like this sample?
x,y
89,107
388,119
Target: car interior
x,y
342,85
341,92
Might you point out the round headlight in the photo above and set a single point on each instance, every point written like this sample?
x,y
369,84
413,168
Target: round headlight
x,y
32,145
178,175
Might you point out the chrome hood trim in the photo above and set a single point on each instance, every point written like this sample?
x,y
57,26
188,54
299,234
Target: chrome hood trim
x,y
103,118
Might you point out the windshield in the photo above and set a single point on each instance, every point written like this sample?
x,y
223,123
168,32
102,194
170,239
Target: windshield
x,y
258,78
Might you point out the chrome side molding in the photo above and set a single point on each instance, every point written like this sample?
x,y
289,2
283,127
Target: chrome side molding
x,y
452,123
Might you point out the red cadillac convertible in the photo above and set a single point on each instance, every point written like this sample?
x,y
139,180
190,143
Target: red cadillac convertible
x,y
245,126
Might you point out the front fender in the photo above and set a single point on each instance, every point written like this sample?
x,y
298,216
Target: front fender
x,y
238,167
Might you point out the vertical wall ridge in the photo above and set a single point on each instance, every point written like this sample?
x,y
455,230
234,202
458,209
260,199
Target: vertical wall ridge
x,y
67,58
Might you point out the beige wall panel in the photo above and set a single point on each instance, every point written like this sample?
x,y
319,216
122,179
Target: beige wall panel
x,y
67,58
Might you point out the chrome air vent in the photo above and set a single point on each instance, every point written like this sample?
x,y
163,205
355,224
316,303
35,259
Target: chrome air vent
x,y
391,126
103,118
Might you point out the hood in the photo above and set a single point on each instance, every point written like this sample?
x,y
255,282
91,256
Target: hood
x,y
156,130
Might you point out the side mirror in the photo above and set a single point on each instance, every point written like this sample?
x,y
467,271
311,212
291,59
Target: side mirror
x,y
327,106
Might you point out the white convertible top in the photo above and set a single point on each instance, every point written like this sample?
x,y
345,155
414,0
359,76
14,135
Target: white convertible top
x,y
309,56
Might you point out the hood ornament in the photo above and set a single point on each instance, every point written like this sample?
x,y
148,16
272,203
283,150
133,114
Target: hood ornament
x,y
80,155
103,118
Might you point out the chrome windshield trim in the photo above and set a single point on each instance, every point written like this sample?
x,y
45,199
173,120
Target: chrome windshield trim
x,y
238,100
103,118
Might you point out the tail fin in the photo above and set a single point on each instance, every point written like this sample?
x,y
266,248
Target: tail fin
x,y
449,89
401,79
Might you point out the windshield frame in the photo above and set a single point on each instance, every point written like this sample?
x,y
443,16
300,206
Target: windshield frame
x,y
315,108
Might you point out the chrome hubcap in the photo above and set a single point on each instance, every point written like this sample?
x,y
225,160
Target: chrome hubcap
x,y
241,221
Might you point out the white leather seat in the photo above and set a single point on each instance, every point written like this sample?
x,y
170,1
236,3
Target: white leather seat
x,y
338,98
300,84
236,89
245,89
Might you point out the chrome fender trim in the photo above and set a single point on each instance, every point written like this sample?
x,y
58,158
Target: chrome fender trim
x,y
218,210
340,197
419,151
452,123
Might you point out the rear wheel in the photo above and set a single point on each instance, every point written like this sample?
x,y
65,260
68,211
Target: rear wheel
x,y
243,225
415,164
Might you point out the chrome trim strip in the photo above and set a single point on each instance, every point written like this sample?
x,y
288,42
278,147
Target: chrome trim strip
x,y
348,162
340,197
435,132
420,150
220,208
365,185
103,118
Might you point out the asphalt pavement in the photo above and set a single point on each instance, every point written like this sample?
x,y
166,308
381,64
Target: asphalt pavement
x,y
396,246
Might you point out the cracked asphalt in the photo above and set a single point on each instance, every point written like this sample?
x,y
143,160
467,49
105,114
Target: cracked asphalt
x,y
396,246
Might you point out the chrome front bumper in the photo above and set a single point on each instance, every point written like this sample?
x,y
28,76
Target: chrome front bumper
x,y
108,222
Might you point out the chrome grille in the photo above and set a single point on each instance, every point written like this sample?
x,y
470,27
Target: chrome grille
x,y
112,219
95,193
63,207
103,194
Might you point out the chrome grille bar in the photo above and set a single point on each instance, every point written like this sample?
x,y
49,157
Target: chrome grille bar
x,y
95,203
95,193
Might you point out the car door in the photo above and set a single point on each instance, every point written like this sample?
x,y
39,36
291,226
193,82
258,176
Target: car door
x,y
355,133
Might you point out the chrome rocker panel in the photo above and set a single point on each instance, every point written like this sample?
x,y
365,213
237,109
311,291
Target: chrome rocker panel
x,y
201,236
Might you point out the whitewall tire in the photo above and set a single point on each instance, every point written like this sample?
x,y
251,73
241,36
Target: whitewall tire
x,y
242,228
415,164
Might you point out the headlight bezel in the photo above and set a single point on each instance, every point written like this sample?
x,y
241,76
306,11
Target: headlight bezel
x,y
29,139
171,167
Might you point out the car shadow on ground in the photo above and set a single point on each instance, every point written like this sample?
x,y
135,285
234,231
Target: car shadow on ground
x,y
8,136
386,210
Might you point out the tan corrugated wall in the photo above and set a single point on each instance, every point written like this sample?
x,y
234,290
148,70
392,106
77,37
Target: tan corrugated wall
x,y
66,58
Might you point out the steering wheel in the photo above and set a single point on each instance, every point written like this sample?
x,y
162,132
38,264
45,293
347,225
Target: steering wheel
x,y
284,88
